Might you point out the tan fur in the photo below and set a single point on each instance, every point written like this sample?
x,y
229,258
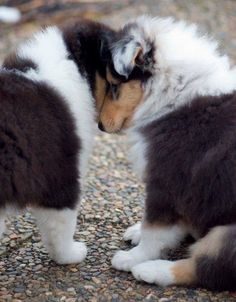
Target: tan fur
x,y
137,55
110,77
155,225
100,91
117,114
184,272
211,244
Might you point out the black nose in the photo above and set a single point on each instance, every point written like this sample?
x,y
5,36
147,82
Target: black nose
x,y
100,126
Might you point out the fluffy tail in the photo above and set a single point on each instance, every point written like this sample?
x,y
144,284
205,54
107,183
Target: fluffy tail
x,y
215,259
212,264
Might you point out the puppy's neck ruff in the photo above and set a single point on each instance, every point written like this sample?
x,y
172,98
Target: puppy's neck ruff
x,y
186,65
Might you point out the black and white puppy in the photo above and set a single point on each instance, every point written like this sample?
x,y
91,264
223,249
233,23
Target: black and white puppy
x,y
182,129
48,89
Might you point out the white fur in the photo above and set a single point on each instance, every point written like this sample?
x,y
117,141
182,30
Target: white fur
x,y
153,241
137,152
158,272
186,65
123,59
123,55
9,14
133,233
48,50
57,229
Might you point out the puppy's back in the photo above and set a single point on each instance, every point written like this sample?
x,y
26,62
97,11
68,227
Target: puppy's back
x,y
38,145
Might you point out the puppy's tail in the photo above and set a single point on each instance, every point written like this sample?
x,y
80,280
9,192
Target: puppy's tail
x,y
214,259
212,264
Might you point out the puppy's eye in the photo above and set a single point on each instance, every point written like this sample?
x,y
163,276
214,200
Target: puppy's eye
x,y
114,91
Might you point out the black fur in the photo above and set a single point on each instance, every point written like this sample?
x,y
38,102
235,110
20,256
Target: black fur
x,y
14,63
38,145
191,177
191,168
88,42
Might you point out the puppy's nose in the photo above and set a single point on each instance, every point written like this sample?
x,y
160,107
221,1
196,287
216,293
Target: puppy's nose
x,y
100,126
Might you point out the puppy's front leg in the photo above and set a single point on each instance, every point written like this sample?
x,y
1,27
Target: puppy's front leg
x,y
133,233
57,230
159,230
154,238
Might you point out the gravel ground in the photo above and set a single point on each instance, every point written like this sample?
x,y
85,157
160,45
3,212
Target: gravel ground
x,y
112,199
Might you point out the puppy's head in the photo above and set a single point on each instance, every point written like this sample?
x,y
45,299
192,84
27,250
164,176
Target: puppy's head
x,y
121,99
131,65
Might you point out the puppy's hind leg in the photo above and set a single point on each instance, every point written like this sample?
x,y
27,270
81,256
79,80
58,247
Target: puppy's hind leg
x,y
57,229
154,239
160,230
164,272
212,264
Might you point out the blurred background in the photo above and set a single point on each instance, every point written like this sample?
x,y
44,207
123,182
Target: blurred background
x,y
217,17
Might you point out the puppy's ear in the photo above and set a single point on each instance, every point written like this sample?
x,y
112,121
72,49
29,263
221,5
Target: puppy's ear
x,y
128,54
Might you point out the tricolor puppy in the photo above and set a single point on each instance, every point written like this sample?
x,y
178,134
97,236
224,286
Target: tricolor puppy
x,y
48,89
182,128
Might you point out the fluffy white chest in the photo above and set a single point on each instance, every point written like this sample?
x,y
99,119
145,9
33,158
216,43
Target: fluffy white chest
x,y
137,154
48,50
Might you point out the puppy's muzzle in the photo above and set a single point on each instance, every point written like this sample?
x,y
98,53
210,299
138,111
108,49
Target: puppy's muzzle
x,y
100,126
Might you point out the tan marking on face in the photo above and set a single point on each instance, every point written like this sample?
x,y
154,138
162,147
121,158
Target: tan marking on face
x,y
110,77
211,244
117,114
100,91
184,272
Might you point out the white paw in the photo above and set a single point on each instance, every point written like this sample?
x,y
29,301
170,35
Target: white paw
x,y
157,271
125,260
133,233
76,253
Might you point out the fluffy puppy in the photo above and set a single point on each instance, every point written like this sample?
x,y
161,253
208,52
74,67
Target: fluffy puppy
x,y
48,89
182,130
